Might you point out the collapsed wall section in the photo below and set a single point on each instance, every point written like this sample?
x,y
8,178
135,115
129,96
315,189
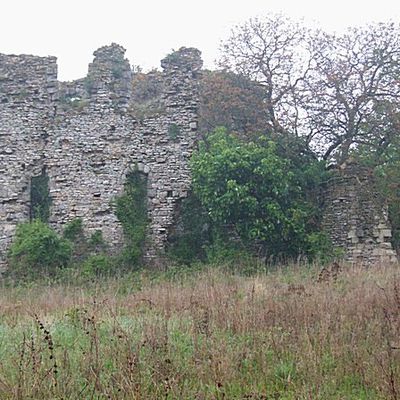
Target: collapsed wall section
x,y
356,217
28,90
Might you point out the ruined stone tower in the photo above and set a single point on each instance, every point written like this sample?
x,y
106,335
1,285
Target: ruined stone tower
x,y
356,217
83,135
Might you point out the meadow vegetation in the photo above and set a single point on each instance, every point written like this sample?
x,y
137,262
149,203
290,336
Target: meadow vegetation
x,y
210,333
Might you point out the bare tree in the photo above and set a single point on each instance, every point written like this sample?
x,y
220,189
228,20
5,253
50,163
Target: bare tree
x,y
338,93
272,52
353,90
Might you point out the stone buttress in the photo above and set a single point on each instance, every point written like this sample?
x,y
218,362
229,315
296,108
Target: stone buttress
x,y
356,217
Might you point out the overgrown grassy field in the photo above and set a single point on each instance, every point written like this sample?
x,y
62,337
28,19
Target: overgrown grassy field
x,y
205,335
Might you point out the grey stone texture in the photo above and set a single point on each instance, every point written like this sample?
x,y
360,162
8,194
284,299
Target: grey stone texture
x,y
356,217
83,135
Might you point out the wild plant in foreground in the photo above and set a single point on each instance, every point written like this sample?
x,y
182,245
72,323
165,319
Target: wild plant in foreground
x,y
213,335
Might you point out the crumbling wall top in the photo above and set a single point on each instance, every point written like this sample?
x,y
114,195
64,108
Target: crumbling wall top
x,y
26,78
186,58
353,169
109,76
112,52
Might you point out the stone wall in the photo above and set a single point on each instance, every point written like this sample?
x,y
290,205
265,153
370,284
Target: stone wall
x,y
28,91
356,218
82,134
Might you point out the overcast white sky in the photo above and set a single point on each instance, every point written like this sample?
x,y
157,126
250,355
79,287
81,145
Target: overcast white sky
x,y
149,29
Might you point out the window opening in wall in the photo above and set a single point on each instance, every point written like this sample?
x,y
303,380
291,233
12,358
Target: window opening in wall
x,y
131,211
40,197
174,132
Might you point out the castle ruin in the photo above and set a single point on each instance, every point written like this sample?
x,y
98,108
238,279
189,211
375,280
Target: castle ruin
x,y
83,136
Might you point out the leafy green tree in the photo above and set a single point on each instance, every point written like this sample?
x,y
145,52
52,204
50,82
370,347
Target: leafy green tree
x,y
251,190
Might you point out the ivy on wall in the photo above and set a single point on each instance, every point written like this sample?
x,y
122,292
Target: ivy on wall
x,y
131,211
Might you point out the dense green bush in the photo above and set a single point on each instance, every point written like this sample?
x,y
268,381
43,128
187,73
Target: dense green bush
x,y
321,249
96,240
97,265
255,195
37,250
73,230
83,246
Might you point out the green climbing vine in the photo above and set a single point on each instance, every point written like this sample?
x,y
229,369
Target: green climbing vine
x,y
131,211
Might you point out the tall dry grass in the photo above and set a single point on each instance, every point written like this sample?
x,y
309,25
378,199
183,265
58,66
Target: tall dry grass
x,y
212,335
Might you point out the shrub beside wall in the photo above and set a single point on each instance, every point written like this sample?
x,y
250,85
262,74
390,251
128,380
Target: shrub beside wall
x,y
37,250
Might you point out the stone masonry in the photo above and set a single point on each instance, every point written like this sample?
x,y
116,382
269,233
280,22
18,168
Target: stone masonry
x,y
83,135
356,217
